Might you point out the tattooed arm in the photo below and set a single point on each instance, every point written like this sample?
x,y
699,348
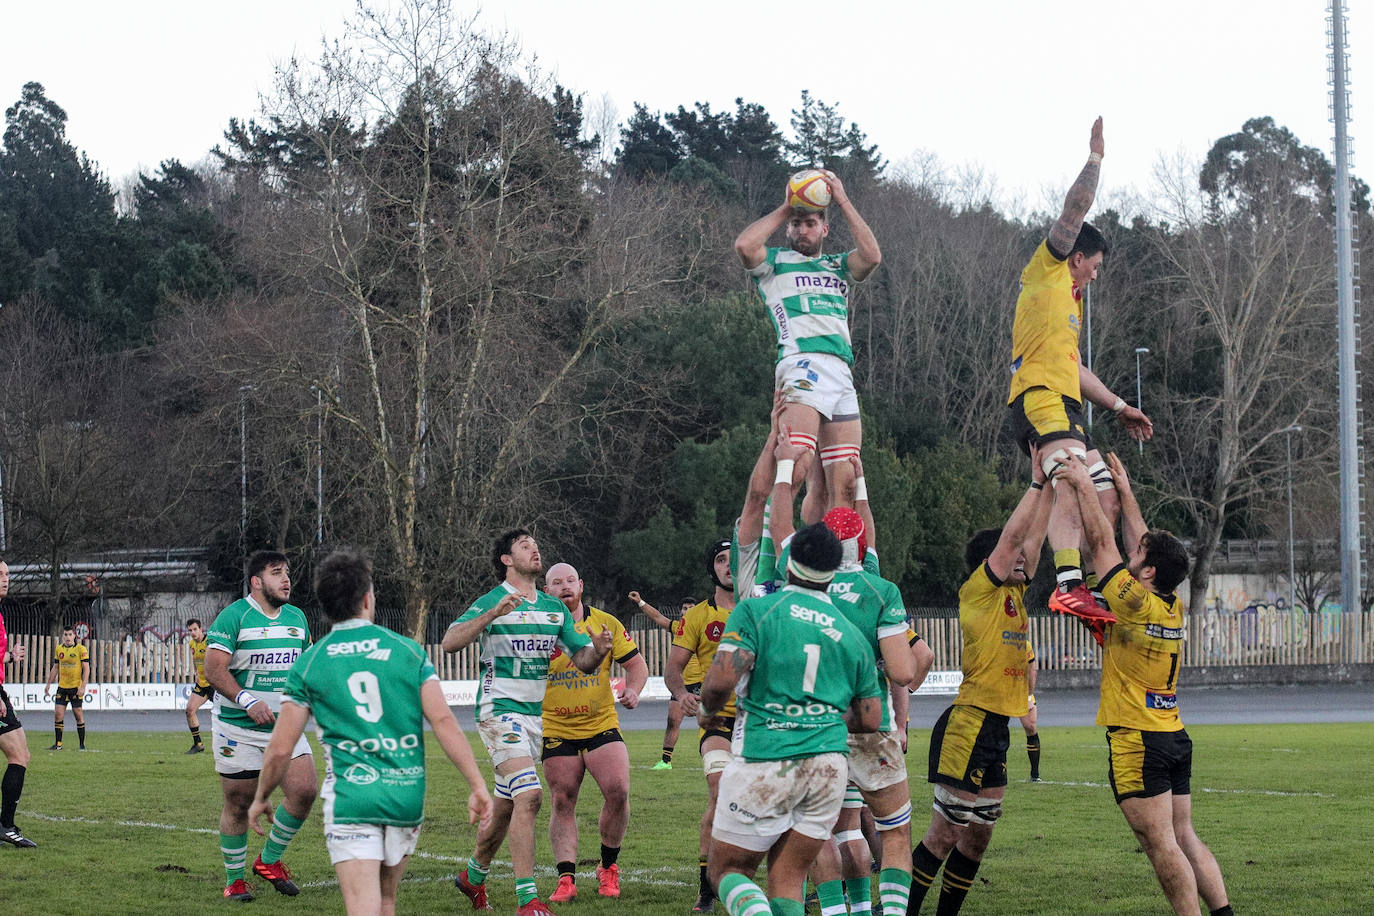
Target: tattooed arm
x,y
1080,198
730,665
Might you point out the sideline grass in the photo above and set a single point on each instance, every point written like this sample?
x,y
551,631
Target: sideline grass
x,y
131,826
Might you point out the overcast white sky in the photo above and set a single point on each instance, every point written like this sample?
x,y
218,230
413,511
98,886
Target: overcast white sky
x,y
1009,85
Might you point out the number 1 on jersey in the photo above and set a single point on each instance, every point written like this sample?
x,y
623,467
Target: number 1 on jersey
x,y
813,663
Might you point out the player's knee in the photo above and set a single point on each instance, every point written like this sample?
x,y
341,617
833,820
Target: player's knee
x,y
1059,452
955,810
894,821
714,762
986,813
835,454
1102,477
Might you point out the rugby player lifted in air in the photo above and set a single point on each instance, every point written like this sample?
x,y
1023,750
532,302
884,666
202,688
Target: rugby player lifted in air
x,y
807,295
1049,380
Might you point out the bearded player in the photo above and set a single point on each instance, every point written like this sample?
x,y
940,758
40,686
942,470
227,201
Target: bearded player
x,y
807,296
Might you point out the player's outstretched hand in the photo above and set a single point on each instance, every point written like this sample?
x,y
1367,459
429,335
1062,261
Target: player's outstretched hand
x,y
19,652
857,464
1075,472
634,596
261,808
603,640
1138,426
508,604
479,808
1118,471
1095,141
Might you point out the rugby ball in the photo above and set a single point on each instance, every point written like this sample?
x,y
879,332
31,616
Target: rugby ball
x,y
808,190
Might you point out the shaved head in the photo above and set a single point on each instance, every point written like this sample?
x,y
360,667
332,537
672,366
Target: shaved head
x,y
563,583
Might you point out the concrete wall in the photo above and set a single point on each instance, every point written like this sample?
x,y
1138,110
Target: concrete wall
x,y
1218,676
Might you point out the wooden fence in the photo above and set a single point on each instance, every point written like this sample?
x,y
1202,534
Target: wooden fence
x,y
1263,637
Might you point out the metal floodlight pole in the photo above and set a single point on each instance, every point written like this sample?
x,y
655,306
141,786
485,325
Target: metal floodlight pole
x,y
1139,404
319,468
1347,334
1288,440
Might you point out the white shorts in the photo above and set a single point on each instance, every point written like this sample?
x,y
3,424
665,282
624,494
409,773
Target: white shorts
x,y
238,751
760,801
510,735
876,760
388,845
821,382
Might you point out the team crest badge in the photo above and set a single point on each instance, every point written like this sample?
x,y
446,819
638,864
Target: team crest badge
x,y
553,618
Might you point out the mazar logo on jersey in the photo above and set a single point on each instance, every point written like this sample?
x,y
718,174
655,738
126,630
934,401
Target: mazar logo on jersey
x,y
535,644
285,658
809,282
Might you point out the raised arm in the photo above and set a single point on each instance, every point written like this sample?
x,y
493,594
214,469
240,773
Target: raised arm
x,y
761,478
588,658
752,243
856,493
1079,200
1133,525
866,256
651,612
1097,531
780,523
1024,532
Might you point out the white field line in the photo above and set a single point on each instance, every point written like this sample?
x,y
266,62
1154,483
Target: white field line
x,y
1270,793
635,876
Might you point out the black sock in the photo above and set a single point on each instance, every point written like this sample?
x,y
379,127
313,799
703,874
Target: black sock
x,y
1224,911
195,734
608,855
924,867
11,787
667,754
1033,752
706,889
57,729
959,872
81,734
567,868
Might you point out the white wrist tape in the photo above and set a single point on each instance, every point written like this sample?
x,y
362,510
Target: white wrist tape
x,y
249,696
1119,406
860,490
1094,157
784,472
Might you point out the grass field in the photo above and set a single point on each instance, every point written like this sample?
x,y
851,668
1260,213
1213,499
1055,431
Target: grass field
x,y
131,827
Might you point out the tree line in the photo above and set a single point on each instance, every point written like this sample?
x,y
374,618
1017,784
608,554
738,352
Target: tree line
x,y
419,298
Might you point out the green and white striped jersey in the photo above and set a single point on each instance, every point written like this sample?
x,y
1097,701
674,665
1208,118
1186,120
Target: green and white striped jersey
x,y
807,300
514,651
875,607
262,648
815,662
362,683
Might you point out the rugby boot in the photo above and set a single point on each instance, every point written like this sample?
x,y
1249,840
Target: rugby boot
x,y
240,890
12,836
535,907
662,765
1079,602
566,890
607,881
278,874
706,902
477,893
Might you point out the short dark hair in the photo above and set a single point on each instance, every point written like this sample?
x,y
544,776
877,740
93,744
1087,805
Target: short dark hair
x,y
196,621
502,547
1168,556
816,546
1090,241
981,546
262,559
69,629
342,580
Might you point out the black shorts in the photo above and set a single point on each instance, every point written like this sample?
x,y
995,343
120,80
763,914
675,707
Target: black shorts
x,y
68,695
1145,764
968,749
207,691
572,747
719,727
1040,415
9,721
694,689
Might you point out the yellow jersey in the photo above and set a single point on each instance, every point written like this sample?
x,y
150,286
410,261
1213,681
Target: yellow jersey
x,y
198,648
1044,334
992,619
68,660
1141,656
692,674
699,632
578,705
